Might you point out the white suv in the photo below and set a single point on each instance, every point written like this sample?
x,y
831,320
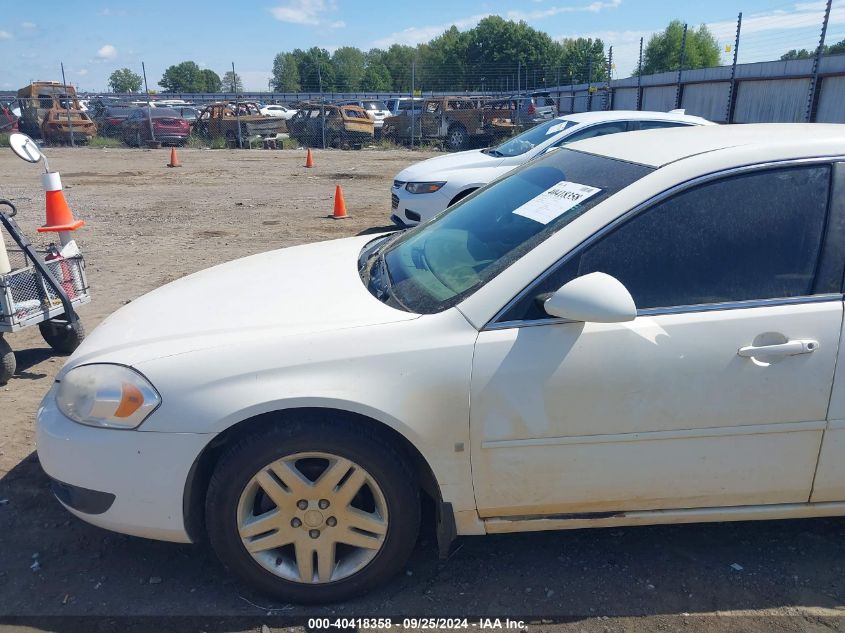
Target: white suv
x,y
425,189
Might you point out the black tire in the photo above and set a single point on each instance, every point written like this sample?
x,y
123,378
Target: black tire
x,y
314,433
7,361
62,336
457,138
231,139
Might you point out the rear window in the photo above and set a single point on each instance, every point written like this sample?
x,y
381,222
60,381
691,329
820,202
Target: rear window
x,y
164,113
374,105
354,114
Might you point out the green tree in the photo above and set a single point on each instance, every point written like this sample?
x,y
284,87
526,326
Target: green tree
x,y
349,66
286,73
442,63
210,80
124,80
231,82
796,54
397,59
582,60
376,78
187,77
664,49
315,68
834,49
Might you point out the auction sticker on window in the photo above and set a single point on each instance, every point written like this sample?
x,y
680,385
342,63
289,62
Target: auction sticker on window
x,y
555,201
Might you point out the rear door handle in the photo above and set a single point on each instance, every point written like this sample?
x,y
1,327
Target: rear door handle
x,y
790,348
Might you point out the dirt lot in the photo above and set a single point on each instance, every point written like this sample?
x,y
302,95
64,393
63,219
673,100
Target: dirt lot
x,y
148,225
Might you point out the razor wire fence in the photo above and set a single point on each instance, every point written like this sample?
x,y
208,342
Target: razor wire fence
x,y
786,63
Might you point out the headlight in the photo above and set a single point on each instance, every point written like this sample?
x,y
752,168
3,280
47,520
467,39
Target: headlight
x,y
111,396
423,187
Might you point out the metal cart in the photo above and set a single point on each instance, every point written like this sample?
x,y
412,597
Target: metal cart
x,y
42,288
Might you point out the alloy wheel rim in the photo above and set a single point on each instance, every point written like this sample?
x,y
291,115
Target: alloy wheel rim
x,y
312,518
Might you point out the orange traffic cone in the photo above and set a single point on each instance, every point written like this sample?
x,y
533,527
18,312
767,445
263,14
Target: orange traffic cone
x,y
59,216
309,160
174,159
339,205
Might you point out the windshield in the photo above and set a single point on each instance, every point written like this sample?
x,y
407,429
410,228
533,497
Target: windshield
x,y
436,265
530,139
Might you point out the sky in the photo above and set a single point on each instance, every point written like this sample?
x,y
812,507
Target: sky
x,y
93,38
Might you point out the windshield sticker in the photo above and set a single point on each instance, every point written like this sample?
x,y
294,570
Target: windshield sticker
x,y
555,201
557,128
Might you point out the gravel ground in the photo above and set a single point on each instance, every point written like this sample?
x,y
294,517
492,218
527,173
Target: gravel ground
x,y
147,225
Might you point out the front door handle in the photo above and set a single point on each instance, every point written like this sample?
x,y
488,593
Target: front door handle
x,y
790,348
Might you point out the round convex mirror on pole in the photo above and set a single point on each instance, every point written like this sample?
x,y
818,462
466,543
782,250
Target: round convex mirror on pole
x,y
24,147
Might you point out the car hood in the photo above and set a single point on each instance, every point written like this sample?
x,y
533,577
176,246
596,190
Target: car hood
x,y
294,291
441,167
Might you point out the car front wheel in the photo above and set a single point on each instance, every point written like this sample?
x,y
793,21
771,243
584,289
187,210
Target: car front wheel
x,y
313,511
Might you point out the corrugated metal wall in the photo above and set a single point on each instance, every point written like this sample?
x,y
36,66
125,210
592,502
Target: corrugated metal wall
x,y
707,100
625,99
765,91
660,98
832,101
771,100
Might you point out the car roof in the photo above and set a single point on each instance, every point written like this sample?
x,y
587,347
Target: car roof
x,y
616,115
656,148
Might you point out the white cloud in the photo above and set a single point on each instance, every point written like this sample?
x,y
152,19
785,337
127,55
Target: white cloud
x,y
107,52
309,12
419,34
539,14
81,72
28,26
338,24
5,35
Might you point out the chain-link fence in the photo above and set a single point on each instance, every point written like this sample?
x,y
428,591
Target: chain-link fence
x,y
786,63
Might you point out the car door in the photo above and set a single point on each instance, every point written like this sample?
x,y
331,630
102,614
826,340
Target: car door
x,y
715,395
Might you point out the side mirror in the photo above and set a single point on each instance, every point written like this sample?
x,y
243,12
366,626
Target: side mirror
x,y
25,148
597,298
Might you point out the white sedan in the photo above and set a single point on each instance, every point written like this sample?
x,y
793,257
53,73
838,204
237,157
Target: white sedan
x,y
280,111
631,330
424,189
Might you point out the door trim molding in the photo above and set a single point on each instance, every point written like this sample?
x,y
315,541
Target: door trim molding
x,y
651,436
501,525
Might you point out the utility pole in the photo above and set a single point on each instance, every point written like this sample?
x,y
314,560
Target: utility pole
x,y
67,106
608,102
413,117
149,107
322,105
237,107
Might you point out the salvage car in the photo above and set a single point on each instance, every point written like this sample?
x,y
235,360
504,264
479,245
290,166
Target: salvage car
x,y
342,126
426,188
636,329
163,125
236,122
456,121
375,109
51,110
